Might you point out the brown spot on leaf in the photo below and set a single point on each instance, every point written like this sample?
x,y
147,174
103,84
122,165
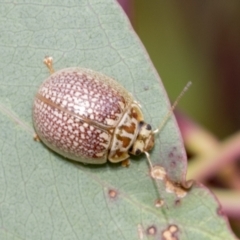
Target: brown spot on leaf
x,y
152,230
173,188
180,157
159,203
173,164
112,193
177,202
158,172
170,233
175,155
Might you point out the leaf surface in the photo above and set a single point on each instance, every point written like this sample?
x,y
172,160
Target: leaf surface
x,y
43,195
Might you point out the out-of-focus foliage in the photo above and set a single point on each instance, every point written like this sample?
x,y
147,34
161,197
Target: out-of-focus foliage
x,y
196,41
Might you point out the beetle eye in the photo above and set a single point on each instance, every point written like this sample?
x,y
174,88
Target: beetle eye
x,y
138,151
148,127
140,124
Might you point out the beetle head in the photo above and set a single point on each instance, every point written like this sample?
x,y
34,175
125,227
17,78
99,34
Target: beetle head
x,y
144,141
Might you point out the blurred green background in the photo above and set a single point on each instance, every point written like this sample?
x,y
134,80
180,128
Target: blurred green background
x,y
196,41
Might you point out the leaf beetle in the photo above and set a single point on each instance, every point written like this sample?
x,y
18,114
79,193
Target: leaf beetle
x,y
89,117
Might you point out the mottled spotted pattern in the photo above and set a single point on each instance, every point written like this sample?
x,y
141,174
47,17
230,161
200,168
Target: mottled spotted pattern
x,y
125,134
83,92
69,135
76,112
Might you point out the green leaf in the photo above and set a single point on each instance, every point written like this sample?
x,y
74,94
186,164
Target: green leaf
x,y
43,195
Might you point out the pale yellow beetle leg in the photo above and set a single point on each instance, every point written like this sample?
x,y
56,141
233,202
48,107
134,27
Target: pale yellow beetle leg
x,y
49,63
125,163
36,138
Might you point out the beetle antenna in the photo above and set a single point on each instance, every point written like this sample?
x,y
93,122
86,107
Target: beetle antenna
x,y
149,161
48,61
170,112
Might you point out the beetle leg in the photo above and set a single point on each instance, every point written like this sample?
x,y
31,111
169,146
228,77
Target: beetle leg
x,y
126,163
36,138
49,63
